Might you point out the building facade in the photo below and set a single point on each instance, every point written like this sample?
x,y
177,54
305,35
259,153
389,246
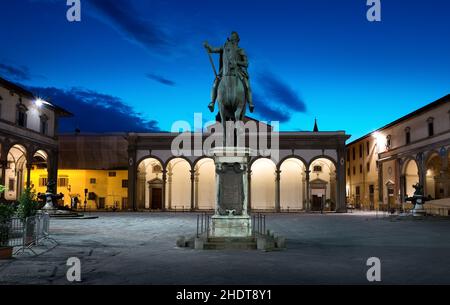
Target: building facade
x,y
383,166
28,138
132,171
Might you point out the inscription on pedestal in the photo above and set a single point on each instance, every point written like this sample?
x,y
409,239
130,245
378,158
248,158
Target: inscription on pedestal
x,y
231,189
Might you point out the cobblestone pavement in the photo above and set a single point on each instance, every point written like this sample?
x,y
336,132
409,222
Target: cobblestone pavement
x,y
139,248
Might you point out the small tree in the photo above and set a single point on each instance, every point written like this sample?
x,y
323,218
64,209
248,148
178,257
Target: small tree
x,y
27,204
6,212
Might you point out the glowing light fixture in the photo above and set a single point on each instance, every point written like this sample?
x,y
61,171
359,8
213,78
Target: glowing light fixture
x,y
39,102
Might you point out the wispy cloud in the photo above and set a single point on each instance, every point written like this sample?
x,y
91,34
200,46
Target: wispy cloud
x,y
160,79
267,111
129,22
279,92
95,112
275,100
15,73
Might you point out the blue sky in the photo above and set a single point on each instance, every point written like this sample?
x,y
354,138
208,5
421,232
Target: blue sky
x,y
134,64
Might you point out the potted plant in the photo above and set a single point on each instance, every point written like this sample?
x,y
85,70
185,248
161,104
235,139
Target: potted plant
x,y
6,212
26,209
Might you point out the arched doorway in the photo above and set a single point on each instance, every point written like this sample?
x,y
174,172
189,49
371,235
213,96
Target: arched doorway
x,y
411,177
263,184
16,172
179,184
205,184
149,184
434,187
292,185
322,185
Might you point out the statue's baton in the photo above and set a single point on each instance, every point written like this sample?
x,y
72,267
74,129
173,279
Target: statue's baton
x,y
212,64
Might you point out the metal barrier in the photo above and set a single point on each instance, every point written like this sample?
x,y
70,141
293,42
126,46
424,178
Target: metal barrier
x,y
203,221
259,224
30,233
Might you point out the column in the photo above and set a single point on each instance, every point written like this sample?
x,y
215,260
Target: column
x,y
132,173
249,190
196,180
308,191
445,177
380,183
52,168
164,181
29,166
192,189
169,181
277,190
3,164
341,205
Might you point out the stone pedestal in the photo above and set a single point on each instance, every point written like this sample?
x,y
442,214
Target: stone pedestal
x,y
231,217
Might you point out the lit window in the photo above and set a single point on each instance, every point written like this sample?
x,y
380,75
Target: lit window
x,y
43,181
63,181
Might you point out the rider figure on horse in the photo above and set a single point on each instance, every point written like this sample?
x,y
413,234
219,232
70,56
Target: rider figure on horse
x,y
237,60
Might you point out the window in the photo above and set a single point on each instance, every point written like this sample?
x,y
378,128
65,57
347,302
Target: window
x,y
63,181
371,189
430,127
368,166
21,117
368,148
92,181
360,151
124,184
112,174
407,135
358,191
43,181
348,155
348,171
317,168
11,183
353,153
44,124
360,168
388,142
354,171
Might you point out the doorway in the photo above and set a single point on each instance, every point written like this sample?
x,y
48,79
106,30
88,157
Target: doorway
x,y
156,195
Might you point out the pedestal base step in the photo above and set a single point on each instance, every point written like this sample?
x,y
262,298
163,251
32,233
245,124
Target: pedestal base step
x,y
232,243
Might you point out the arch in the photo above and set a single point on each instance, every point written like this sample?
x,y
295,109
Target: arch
x,y
292,184
291,157
205,183
201,159
411,172
16,171
263,184
147,174
175,157
323,184
151,157
178,190
434,186
331,159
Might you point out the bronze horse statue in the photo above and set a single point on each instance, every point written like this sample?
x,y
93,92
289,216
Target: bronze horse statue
x,y
231,86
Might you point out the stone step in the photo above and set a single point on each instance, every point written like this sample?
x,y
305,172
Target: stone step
x,y
230,243
230,246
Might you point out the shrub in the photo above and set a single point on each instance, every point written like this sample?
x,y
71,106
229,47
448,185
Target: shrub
x,y
27,204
